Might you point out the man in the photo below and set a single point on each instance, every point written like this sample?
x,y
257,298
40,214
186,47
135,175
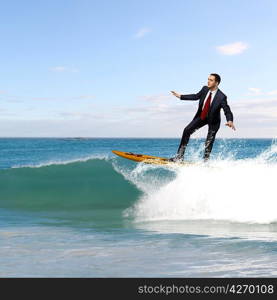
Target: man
x,y
211,101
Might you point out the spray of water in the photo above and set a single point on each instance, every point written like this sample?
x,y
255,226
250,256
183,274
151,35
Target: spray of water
x,y
241,190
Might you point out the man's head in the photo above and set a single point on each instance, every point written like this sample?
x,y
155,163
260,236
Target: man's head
x,y
213,80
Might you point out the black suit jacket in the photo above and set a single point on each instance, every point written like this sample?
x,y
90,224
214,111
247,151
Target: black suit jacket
x,y
219,101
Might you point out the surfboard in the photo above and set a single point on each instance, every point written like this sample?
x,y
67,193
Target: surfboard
x,y
148,159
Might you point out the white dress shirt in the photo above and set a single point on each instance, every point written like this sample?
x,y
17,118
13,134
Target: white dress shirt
x,y
213,94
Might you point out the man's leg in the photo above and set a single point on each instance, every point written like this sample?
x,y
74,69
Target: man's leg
x,y
188,130
209,142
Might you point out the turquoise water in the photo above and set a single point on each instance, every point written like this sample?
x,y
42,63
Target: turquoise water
x,y
70,208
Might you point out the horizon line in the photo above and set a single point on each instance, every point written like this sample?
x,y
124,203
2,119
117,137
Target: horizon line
x,y
91,137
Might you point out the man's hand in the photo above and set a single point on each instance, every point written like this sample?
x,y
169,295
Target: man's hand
x,y
230,124
176,94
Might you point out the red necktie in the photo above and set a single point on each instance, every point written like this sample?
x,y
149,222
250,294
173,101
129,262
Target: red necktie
x,y
206,107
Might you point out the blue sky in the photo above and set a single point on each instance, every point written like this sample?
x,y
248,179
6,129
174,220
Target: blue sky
x,y
106,68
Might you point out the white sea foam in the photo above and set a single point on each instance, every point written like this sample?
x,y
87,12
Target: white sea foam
x,y
233,190
145,177
62,162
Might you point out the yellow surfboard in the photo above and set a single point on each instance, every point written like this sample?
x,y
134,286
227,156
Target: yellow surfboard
x,y
148,159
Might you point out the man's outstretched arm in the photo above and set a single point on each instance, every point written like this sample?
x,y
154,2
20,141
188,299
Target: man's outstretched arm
x,y
189,96
192,96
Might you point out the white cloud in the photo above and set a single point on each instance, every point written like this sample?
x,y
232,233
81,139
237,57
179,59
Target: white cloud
x,y
81,97
142,32
261,108
84,97
63,69
160,115
58,69
256,91
259,92
272,92
233,48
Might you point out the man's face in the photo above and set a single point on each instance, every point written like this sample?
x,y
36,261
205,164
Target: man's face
x,y
211,82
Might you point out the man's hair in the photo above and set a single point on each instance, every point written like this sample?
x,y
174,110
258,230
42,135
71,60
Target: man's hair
x,y
217,77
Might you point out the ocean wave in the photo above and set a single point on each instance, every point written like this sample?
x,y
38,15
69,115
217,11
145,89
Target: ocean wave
x,y
84,184
62,162
236,190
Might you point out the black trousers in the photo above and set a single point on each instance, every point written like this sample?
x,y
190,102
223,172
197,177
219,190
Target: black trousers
x,y
190,128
